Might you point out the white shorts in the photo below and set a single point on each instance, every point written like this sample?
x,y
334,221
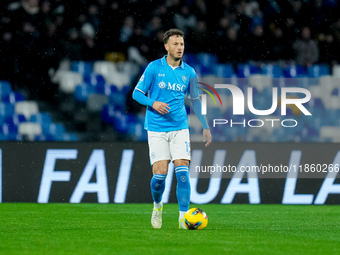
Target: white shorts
x,y
169,145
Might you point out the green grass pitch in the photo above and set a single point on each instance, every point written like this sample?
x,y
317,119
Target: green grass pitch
x,y
126,229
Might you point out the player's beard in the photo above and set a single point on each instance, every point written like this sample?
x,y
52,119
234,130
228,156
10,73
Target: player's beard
x,y
175,58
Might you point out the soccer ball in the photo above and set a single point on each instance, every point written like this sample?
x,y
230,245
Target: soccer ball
x,y
195,219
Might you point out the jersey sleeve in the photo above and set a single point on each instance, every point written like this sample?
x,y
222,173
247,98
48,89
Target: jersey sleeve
x,y
197,106
193,89
146,79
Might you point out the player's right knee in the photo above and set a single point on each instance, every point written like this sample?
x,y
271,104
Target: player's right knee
x,y
160,167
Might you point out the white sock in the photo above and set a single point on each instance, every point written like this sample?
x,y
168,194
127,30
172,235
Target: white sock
x,y
157,205
181,214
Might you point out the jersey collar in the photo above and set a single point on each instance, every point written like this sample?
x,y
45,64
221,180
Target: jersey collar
x,y
166,63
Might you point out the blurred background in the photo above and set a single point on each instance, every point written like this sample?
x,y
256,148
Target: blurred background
x,y
68,68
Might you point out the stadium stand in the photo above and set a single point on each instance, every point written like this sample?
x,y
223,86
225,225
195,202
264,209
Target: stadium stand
x,y
85,65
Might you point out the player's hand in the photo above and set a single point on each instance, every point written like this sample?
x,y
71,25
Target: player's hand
x,y
207,137
161,107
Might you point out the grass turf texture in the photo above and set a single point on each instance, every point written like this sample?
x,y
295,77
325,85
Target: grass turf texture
x,y
126,229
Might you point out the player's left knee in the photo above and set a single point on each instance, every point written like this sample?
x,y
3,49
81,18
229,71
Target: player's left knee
x,y
181,162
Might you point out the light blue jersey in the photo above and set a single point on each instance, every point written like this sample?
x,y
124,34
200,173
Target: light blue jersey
x,y
169,85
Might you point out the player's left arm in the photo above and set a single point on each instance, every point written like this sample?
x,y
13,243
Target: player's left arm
x,y
197,105
193,93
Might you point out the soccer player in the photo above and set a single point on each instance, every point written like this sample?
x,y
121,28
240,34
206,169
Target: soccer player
x,y
167,82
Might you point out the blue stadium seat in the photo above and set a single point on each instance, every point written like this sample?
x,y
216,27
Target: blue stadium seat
x,y
118,98
14,121
6,133
207,59
262,100
136,130
82,92
316,121
230,133
272,70
280,134
82,67
190,58
335,92
108,113
295,71
70,137
44,138
41,117
5,89
13,97
113,89
103,88
333,116
205,63
62,137
245,70
57,131
315,71
309,134
316,106
4,129
289,112
44,119
202,70
94,79
3,137
16,118
6,109
224,70
12,126
121,122
125,89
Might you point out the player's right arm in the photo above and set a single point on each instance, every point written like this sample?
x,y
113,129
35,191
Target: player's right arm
x,y
143,86
141,98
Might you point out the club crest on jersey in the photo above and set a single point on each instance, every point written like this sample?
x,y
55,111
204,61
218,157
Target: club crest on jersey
x,y
162,85
184,78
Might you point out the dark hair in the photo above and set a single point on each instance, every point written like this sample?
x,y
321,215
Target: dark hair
x,y
172,32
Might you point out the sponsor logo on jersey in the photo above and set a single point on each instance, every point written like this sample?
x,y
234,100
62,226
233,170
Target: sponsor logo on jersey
x,y
162,85
176,87
173,87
